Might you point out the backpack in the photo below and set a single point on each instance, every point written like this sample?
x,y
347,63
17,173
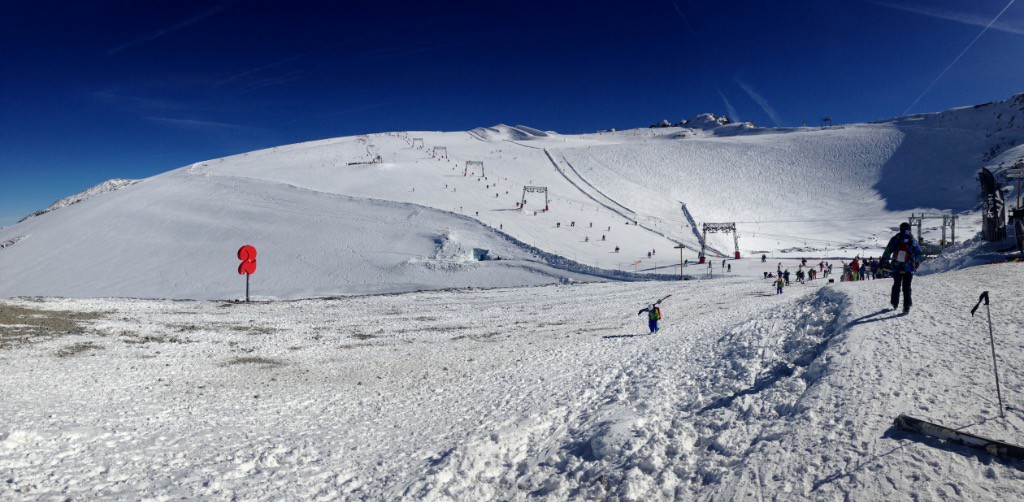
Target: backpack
x,y
655,313
903,249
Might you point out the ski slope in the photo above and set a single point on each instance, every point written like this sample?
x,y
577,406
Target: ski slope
x,y
404,366
553,392
328,220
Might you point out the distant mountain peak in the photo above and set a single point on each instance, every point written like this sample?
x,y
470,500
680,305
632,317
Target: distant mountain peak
x,y
102,188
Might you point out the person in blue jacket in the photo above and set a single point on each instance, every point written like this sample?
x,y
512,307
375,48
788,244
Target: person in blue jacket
x,y
653,316
902,256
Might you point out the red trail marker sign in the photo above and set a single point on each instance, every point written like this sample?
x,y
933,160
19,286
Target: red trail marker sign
x,y
247,254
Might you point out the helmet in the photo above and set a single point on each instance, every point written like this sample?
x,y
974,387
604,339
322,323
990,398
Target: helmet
x,y
904,226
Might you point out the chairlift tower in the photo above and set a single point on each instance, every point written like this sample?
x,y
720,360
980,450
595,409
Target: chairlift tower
x,y
527,188
718,227
947,220
474,163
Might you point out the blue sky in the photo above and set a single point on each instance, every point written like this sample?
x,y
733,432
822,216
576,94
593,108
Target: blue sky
x,y
128,89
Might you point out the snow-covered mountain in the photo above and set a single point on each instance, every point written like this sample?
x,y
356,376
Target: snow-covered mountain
x,y
102,188
329,220
552,392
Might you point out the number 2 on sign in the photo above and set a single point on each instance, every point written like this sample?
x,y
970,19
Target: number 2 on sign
x,y
247,254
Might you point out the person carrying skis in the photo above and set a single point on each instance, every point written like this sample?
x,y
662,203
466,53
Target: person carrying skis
x,y
906,255
653,316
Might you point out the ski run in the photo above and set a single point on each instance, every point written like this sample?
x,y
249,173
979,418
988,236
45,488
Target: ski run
x,y
553,392
416,333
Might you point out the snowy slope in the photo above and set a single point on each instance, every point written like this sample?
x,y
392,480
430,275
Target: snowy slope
x,y
334,222
102,188
553,391
550,392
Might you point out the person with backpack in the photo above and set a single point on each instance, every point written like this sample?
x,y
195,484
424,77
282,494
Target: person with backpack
x,y
653,316
906,255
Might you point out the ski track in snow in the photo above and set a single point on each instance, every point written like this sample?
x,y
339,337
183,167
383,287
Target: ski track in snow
x,y
553,392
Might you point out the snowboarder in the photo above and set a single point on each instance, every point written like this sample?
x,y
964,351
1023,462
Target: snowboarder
x,y
653,316
906,255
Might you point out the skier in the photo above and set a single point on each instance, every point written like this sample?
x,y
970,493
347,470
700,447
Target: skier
x,y
764,258
785,276
778,285
906,256
653,316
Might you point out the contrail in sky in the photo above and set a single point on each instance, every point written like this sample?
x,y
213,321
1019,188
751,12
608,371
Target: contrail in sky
x,y
733,116
685,20
989,25
767,107
171,29
956,17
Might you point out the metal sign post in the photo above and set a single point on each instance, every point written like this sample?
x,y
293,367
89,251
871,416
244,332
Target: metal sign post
x,y
247,254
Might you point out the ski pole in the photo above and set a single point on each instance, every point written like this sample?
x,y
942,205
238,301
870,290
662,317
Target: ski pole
x,y
992,341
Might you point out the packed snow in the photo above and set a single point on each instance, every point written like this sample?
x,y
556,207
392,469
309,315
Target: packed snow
x,y
553,392
416,334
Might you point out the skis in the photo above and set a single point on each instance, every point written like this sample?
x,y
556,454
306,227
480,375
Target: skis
x,y
662,299
992,446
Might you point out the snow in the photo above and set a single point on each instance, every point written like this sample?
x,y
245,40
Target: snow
x,y
552,391
328,221
383,358
102,188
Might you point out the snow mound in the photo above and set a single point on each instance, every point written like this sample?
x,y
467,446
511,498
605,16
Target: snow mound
x,y
502,132
448,254
105,187
705,121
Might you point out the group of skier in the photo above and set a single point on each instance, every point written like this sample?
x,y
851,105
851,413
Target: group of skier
x,y
862,270
899,260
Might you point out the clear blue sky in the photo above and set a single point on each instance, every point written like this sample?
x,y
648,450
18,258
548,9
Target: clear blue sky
x,y
127,89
